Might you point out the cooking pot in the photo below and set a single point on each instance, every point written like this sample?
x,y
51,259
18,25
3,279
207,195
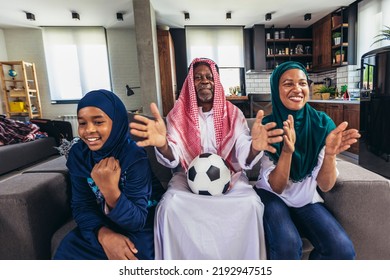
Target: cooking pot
x,y
328,82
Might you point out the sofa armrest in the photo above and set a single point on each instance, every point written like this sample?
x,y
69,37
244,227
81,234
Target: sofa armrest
x,y
360,201
32,207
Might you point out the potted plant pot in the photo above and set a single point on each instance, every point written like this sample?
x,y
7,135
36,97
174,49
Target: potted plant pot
x,y
339,56
336,38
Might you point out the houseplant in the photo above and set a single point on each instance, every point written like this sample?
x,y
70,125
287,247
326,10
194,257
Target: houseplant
x,y
336,37
384,35
339,56
344,91
327,92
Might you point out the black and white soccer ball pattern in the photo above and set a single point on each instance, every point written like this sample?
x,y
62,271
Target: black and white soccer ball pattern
x,y
208,174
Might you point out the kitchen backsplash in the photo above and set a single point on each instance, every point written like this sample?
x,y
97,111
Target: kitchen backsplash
x,y
259,82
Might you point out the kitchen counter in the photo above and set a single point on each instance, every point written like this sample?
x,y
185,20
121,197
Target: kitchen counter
x,y
339,101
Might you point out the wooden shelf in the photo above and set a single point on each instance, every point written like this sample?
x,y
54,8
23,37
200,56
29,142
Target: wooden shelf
x,y
22,92
343,25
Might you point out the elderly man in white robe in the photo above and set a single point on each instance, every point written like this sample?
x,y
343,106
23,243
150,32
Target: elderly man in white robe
x,y
191,226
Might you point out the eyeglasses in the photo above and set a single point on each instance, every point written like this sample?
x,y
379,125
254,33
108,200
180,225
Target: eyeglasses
x,y
199,77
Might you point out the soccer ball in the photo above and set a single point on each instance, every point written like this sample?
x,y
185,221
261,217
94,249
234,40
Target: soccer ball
x,y
208,174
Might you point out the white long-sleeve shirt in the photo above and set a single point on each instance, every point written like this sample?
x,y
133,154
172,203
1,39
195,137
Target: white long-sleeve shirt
x,y
296,194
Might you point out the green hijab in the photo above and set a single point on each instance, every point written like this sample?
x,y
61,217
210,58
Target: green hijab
x,y
311,127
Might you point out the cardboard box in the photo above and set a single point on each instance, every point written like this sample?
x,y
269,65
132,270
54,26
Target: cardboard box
x,y
17,106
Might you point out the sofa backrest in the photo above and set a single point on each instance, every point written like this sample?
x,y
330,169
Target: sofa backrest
x,y
20,155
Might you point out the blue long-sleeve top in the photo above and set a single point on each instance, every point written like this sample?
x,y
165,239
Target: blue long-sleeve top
x,y
129,214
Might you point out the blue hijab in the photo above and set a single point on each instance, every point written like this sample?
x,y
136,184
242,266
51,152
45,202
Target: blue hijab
x,y
311,127
81,159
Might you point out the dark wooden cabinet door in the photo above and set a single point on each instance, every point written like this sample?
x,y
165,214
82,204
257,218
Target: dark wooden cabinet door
x,y
167,70
318,106
322,44
352,116
335,112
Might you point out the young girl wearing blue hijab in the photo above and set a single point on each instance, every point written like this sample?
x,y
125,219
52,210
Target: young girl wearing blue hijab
x,y
111,186
289,177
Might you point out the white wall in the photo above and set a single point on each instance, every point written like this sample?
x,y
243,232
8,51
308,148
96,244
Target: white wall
x,y
122,49
373,16
27,44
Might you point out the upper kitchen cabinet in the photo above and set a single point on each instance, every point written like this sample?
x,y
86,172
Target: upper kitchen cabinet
x,y
322,44
328,51
254,44
339,37
284,44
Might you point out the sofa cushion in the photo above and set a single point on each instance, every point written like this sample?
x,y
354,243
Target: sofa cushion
x,y
18,156
32,207
360,202
56,165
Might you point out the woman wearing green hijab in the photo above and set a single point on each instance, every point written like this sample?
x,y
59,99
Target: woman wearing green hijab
x,y
289,177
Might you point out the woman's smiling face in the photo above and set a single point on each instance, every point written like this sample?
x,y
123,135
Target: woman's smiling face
x,y
294,89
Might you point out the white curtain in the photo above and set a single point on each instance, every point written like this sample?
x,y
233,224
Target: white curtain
x,y
224,45
77,61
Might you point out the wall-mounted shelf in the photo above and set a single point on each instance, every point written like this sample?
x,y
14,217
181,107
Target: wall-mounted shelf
x,y
284,44
339,26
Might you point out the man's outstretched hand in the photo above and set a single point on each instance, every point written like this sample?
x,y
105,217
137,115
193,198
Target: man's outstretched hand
x,y
153,132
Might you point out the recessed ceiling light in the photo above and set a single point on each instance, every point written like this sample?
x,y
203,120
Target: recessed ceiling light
x,y
75,16
119,16
30,16
228,15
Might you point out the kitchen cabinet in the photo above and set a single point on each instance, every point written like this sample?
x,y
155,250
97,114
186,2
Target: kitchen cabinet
x,y
254,45
335,112
166,57
339,44
340,112
322,44
284,44
351,114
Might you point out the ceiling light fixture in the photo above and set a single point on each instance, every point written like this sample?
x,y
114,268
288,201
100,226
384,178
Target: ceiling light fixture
x,y
228,16
75,16
307,17
30,16
119,16
268,16
186,16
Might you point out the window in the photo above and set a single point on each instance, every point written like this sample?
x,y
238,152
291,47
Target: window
x,y
224,45
77,61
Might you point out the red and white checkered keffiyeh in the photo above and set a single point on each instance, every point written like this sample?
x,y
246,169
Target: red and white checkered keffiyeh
x,y
183,120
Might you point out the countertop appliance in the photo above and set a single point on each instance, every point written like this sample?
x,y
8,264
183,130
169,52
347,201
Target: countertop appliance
x,y
374,147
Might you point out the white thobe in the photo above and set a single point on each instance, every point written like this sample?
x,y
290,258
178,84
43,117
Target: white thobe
x,y
190,226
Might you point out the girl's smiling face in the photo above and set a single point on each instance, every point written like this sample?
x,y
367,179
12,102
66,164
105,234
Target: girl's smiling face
x,y
294,89
94,127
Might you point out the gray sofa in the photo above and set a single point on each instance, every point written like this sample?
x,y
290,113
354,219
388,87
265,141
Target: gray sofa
x,y
35,212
